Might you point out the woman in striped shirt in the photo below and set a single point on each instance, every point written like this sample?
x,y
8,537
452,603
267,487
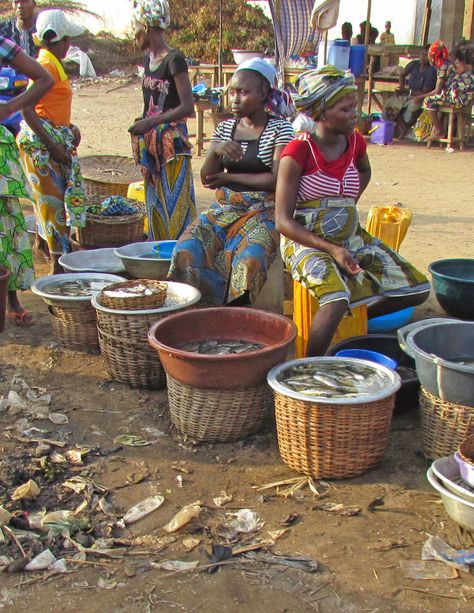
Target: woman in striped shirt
x,y
320,180
227,251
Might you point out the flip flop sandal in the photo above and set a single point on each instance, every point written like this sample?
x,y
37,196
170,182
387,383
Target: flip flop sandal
x,y
22,319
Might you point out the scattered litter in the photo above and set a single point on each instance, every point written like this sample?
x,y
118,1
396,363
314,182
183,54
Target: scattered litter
x,y
42,561
278,534
157,543
191,543
223,499
5,517
421,569
106,584
131,440
220,553
28,490
300,562
293,485
143,508
58,418
377,502
173,565
244,521
289,520
340,509
387,545
184,516
179,479
436,549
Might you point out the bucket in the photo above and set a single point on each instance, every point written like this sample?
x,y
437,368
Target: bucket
x,y
367,354
4,276
337,54
356,59
382,132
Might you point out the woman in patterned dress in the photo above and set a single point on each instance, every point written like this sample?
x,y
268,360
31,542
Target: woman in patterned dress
x,y
15,251
320,179
227,251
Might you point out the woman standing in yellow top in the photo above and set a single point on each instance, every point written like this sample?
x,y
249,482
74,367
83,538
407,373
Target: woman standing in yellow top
x,y
48,141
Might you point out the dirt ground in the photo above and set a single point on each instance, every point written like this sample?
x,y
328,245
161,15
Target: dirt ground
x,y
359,556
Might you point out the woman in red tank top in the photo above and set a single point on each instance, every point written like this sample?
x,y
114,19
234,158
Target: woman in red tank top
x,y
321,177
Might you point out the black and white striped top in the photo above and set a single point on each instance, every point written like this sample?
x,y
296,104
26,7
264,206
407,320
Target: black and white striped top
x,y
277,132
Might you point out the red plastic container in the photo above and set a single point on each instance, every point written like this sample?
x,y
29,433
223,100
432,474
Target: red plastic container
x,y
4,275
222,371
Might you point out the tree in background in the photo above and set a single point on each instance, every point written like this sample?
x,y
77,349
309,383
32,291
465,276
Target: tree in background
x,y
195,28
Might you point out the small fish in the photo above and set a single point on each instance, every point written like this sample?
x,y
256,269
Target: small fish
x,y
221,347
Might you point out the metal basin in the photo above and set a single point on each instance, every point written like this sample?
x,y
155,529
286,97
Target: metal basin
x,y
92,260
139,266
453,285
446,470
458,509
40,287
444,357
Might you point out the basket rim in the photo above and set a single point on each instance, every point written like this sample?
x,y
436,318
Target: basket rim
x,y
369,398
195,297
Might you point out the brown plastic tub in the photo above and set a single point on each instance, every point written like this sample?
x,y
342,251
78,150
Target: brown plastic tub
x,y
4,275
222,323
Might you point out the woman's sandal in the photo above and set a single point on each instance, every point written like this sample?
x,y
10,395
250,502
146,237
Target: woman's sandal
x,y
23,319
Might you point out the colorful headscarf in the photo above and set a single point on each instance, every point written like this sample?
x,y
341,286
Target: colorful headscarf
x,y
438,54
154,13
320,89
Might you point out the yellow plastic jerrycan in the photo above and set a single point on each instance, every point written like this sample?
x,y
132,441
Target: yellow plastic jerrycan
x,y
389,223
304,308
136,191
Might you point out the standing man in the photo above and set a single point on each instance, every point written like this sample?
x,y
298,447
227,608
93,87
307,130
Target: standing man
x,y
21,27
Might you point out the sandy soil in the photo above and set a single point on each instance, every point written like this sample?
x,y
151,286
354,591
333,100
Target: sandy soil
x,y
359,556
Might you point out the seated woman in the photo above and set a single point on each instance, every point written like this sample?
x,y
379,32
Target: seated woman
x,y
454,85
48,143
320,179
227,251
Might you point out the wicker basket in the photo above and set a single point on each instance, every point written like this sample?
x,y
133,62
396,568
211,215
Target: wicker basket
x,y
151,301
444,425
218,415
115,231
108,175
75,328
333,441
125,349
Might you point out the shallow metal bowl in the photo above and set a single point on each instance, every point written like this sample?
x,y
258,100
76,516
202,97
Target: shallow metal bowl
x,y
447,471
141,267
40,286
92,260
459,509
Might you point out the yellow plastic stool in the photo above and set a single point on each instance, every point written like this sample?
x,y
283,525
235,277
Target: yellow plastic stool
x,y
136,191
304,308
389,223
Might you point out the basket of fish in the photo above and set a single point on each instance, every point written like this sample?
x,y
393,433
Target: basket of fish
x,y
68,297
135,294
216,361
333,415
123,336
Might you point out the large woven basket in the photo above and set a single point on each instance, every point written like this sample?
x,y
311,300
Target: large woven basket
x,y
151,301
115,231
75,328
108,175
333,441
444,425
218,415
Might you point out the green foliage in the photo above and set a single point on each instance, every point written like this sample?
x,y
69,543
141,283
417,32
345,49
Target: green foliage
x,y
66,5
195,28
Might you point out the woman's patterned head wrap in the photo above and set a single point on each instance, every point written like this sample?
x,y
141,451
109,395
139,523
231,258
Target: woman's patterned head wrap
x,y
438,54
320,89
153,13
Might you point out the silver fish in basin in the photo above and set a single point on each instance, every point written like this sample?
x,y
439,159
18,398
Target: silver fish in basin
x,y
221,347
331,380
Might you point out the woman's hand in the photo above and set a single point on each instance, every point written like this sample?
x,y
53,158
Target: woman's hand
x,y
230,150
59,153
345,261
76,134
142,126
216,180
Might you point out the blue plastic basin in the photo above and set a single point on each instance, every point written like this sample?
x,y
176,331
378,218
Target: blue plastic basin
x,y
366,354
390,322
164,249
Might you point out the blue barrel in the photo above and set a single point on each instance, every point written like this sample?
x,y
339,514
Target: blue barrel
x,y
338,54
356,59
